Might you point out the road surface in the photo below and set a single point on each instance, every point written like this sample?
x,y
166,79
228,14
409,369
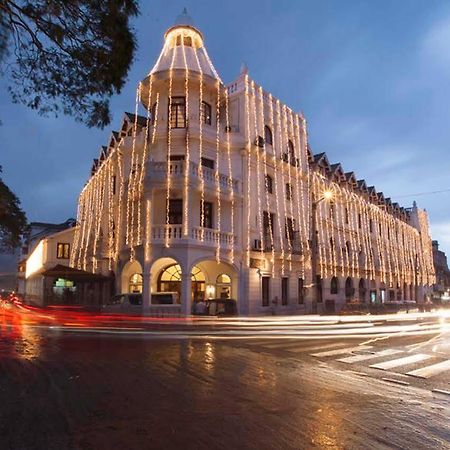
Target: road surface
x,y
80,381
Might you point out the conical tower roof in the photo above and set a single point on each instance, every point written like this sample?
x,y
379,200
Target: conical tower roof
x,y
184,48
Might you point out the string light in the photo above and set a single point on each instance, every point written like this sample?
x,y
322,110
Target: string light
x,y
249,173
258,171
275,161
217,174
230,174
266,184
169,144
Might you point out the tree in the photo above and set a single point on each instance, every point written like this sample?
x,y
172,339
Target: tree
x,y
67,56
12,219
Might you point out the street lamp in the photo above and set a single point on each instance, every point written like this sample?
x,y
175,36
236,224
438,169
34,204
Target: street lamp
x,y
327,196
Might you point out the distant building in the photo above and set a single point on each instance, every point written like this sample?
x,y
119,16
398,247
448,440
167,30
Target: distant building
x,y
215,193
441,289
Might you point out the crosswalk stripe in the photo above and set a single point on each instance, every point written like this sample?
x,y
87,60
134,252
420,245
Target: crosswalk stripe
x,y
342,351
359,358
314,348
431,371
401,361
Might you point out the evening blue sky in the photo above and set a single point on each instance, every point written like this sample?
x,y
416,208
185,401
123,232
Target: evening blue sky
x,y
372,79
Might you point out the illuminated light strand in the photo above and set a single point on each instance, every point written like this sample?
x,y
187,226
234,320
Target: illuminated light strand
x,y
338,215
247,109
143,163
289,178
89,223
217,173
131,173
306,212
188,154
155,121
169,145
276,161
148,234
282,169
200,151
359,250
98,215
353,241
120,168
230,173
77,234
110,214
344,214
295,132
266,184
258,171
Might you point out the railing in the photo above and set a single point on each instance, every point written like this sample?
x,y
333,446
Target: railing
x,y
176,169
198,234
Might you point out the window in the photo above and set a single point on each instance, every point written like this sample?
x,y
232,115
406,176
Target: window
x,y
301,291
113,183
178,112
334,285
63,251
207,215
290,229
288,191
135,285
265,288
269,184
268,227
153,113
291,153
209,163
175,211
359,221
346,216
284,291
331,210
187,41
205,113
268,135
371,225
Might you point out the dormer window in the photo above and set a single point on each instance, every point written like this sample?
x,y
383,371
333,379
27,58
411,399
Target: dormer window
x,y
205,113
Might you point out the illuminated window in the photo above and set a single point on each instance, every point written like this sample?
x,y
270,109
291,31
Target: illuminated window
x,y
178,112
205,113
169,280
63,251
223,278
187,41
135,284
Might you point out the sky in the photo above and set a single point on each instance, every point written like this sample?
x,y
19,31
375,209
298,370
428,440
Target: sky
x,y
372,78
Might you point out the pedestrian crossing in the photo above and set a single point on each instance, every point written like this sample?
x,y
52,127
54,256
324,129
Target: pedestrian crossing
x,y
397,360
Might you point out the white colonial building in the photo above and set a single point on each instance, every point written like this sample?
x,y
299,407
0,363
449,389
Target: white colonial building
x,y
213,192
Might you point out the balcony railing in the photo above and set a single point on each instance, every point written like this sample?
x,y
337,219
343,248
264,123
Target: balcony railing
x,y
176,169
198,234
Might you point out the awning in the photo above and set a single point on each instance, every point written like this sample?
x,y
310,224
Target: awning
x,y
70,273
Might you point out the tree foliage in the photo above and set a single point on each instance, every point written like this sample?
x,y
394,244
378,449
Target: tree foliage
x,y
67,56
12,219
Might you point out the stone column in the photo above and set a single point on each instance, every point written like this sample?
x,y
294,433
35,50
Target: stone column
x,y
186,293
146,289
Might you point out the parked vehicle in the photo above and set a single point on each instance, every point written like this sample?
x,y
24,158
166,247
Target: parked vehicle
x,y
124,303
221,307
165,298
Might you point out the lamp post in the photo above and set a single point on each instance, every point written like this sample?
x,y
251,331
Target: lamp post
x,y
327,195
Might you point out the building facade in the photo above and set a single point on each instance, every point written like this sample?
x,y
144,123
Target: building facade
x,y
441,288
213,192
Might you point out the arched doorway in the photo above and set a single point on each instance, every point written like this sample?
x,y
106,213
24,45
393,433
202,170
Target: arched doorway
x,y
362,291
169,280
334,285
349,290
131,278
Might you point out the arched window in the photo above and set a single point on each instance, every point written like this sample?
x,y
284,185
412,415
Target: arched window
x,y
349,290
169,280
268,135
187,41
348,249
135,283
223,278
334,286
362,290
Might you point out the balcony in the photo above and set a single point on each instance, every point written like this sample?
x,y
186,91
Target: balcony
x,y
206,236
158,171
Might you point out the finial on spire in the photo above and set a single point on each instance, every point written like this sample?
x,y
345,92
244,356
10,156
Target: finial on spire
x,y
184,18
244,69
